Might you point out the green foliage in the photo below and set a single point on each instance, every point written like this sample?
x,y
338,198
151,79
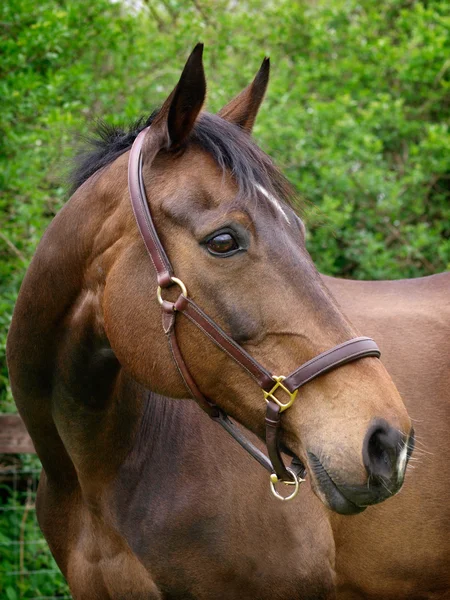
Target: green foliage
x,y
27,569
368,143
357,116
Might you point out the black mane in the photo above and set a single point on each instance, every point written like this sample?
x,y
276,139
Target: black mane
x,y
231,147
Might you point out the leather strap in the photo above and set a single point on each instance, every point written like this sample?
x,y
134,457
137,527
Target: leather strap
x,y
218,415
240,438
273,424
223,341
323,363
142,213
209,407
349,351
319,365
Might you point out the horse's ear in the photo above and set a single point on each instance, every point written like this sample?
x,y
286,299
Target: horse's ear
x,y
243,109
188,98
177,116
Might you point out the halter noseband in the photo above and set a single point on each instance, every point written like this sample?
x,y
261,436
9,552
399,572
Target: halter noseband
x,y
349,351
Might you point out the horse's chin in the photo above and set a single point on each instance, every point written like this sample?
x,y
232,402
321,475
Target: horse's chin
x,y
330,494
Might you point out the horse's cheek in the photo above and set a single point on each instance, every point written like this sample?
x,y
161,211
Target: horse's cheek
x,y
133,325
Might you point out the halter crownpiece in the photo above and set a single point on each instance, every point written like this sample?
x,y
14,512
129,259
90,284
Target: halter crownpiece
x,y
279,391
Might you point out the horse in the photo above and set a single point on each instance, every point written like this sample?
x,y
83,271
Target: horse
x,y
400,550
141,494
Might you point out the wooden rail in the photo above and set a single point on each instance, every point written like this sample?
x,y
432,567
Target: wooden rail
x,y
14,438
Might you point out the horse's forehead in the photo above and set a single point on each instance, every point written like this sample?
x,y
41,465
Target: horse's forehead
x,y
193,182
192,174
273,200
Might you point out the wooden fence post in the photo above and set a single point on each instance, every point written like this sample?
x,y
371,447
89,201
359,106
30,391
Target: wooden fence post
x,y
14,438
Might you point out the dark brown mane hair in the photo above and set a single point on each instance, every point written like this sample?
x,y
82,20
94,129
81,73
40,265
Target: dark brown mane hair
x,y
232,149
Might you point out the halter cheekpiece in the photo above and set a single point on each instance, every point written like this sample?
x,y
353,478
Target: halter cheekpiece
x,y
279,391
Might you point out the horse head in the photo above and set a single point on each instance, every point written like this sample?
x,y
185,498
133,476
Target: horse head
x,y
223,214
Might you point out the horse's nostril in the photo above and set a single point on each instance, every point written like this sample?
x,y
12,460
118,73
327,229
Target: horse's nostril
x,y
381,449
378,452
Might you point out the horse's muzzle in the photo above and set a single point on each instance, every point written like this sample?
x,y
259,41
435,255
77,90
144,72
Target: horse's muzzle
x,y
385,457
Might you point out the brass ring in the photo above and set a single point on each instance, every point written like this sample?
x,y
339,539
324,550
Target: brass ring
x,y
295,481
178,282
270,395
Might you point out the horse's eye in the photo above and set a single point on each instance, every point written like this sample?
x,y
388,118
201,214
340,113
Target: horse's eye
x,y
222,244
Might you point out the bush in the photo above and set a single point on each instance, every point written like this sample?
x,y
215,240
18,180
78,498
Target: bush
x,y
357,114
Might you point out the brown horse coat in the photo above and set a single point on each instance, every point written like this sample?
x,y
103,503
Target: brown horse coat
x,y
142,496
198,535
401,549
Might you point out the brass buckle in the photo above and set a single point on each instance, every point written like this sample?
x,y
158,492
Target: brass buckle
x,y
295,481
279,384
179,283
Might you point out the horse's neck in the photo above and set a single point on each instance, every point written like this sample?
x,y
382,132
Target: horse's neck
x,y
66,380
164,431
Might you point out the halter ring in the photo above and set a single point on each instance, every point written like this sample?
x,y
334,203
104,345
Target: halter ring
x,y
178,282
295,481
279,384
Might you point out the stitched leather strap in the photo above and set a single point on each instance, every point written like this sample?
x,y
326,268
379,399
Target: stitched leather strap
x,y
209,407
223,341
240,438
273,424
346,352
218,415
142,213
331,359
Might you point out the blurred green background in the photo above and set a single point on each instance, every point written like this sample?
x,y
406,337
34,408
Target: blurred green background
x,y
357,114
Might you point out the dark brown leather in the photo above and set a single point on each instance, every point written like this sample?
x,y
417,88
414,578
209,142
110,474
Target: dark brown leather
x,y
240,438
273,424
331,359
142,213
321,364
195,314
209,407
218,336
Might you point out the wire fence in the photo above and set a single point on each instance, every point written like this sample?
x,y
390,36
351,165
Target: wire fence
x,y
27,568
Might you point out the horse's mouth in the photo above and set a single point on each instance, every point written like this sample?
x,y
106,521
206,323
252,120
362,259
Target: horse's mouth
x,y
330,493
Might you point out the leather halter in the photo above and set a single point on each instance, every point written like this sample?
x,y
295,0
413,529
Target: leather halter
x,y
349,351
